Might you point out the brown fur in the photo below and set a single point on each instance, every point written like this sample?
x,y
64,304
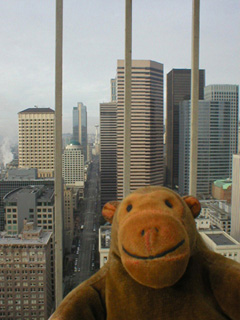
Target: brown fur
x,y
158,267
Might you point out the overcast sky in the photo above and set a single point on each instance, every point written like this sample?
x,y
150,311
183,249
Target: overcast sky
x,y
94,40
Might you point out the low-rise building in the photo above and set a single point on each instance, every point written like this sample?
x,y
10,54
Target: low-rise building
x,y
104,243
219,213
203,223
222,190
25,275
15,179
222,243
68,218
35,204
235,212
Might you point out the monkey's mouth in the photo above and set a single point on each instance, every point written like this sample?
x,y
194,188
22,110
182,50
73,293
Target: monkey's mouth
x,y
159,255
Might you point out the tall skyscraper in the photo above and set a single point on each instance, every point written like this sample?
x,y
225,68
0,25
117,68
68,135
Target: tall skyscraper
x,y
36,140
227,92
147,165
235,210
75,135
213,144
108,148
73,164
178,89
80,126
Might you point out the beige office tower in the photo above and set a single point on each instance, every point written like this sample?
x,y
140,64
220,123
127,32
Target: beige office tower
x,y
25,275
147,166
36,140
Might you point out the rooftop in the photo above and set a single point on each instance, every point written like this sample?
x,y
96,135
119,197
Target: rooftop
x,y
21,174
43,193
38,110
47,194
220,239
74,145
42,240
224,184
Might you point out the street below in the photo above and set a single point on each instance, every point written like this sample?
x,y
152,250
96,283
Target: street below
x,y
86,254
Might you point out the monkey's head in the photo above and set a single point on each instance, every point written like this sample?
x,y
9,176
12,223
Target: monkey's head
x,y
154,234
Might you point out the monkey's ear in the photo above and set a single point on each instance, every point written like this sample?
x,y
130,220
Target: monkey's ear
x,y
193,204
109,210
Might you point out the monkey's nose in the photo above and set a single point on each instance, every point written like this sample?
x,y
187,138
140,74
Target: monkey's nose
x,y
143,232
150,237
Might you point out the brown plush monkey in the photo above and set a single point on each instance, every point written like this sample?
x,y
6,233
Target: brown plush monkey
x,y
158,267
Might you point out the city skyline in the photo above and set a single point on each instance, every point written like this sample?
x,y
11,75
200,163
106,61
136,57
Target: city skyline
x,y
27,58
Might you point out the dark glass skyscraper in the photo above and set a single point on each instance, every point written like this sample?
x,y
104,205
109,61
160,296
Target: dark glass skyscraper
x,y
214,140
108,151
178,89
80,126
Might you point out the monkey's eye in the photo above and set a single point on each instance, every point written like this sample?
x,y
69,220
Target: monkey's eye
x,y
129,208
168,204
